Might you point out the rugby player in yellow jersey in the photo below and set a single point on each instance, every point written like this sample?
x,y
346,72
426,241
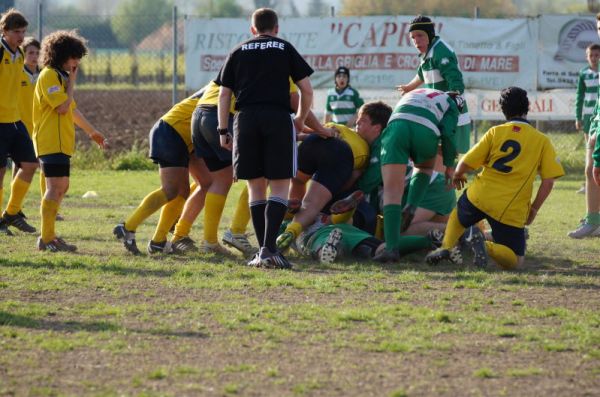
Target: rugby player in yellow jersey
x,y
15,141
171,147
512,155
54,117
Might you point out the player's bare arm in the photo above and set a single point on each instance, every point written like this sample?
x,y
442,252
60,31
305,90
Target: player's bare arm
x,y
223,115
542,193
83,123
306,98
414,83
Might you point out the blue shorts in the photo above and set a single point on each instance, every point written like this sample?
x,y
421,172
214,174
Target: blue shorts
x,y
15,143
207,144
510,236
167,148
56,165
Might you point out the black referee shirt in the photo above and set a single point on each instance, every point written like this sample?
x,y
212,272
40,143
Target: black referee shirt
x,y
258,72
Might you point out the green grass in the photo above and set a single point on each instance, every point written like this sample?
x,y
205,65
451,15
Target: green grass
x,y
102,322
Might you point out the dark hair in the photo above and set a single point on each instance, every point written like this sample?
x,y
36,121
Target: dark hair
x,y
598,16
12,19
593,47
379,112
264,20
60,46
30,42
514,102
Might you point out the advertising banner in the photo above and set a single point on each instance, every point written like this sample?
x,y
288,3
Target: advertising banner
x,y
492,52
563,40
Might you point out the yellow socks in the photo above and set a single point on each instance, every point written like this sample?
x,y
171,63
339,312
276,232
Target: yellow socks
x,y
295,228
48,210
17,193
182,229
1,196
344,217
213,209
502,255
241,216
42,184
149,206
168,216
453,231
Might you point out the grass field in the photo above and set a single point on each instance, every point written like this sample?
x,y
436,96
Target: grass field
x,y
104,323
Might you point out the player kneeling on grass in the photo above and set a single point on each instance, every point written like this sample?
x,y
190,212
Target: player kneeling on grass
x,y
54,118
511,154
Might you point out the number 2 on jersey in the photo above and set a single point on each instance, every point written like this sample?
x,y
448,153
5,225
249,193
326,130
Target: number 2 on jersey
x,y
500,164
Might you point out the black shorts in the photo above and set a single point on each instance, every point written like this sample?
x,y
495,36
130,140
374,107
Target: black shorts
x,y
329,161
55,165
205,137
167,148
15,143
510,236
264,143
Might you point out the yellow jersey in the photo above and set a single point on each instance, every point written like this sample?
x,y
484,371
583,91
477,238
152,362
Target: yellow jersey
x,y
28,79
180,118
11,67
511,154
360,147
52,132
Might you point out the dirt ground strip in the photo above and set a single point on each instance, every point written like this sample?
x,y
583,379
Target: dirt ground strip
x,y
124,116
223,361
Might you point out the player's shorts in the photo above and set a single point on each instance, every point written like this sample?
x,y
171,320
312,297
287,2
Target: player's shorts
x,y
207,144
404,139
329,161
351,237
167,148
264,143
55,165
510,236
15,143
462,135
438,198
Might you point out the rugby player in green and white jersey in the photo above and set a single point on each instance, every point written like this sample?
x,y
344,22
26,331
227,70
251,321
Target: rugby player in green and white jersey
x,y
422,119
438,70
343,101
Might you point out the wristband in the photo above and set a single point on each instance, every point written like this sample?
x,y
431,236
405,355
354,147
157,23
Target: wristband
x,y
222,131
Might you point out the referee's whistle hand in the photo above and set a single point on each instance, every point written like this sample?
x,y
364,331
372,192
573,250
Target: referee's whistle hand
x,y
226,141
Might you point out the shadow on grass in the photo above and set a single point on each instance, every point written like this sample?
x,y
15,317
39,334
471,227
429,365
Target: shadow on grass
x,y
15,320
80,265
548,267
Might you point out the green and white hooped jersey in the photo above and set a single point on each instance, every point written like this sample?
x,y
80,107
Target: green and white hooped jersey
x,y
344,105
439,70
424,106
587,93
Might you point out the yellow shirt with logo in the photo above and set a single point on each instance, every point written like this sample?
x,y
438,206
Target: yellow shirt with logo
x,y
11,67
52,132
512,155
28,80
360,147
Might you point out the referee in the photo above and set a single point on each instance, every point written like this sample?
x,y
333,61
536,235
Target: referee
x,y
257,72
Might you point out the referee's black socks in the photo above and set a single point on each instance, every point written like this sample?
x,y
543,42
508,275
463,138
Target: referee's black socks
x,y
257,210
274,214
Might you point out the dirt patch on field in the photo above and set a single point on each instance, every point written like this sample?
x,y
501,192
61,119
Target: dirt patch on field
x,y
124,116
